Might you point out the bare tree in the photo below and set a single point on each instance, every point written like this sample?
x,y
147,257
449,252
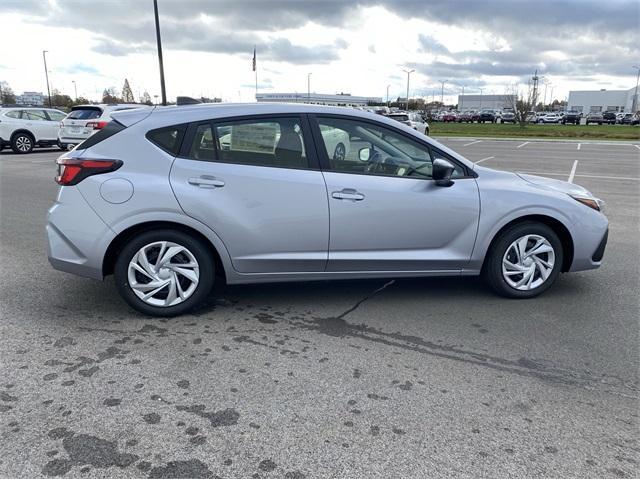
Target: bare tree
x,y
521,101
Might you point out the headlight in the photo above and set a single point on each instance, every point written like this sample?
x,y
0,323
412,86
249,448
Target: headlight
x,y
593,203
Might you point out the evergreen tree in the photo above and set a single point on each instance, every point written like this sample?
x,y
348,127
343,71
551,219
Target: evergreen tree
x,y
127,94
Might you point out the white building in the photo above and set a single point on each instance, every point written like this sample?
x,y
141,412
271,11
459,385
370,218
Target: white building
x,y
30,98
478,102
602,100
342,99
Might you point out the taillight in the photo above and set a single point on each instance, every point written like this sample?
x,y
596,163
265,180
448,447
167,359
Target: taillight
x,y
96,125
72,171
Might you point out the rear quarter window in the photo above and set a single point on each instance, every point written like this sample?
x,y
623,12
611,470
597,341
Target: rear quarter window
x,y
168,138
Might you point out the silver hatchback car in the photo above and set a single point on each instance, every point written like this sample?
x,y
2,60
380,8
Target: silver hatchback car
x,y
168,199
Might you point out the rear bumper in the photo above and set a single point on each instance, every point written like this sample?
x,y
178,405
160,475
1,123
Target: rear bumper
x,y
76,237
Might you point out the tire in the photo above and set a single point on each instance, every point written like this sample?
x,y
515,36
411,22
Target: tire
x,y
194,292
22,143
495,272
340,152
60,145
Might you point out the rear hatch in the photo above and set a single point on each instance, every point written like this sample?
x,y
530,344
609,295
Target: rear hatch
x,y
401,118
80,123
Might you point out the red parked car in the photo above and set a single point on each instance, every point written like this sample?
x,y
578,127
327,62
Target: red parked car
x,y
449,116
466,117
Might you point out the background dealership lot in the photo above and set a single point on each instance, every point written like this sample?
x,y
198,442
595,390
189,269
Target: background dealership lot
x,y
410,378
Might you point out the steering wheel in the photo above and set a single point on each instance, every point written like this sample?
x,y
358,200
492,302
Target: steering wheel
x,y
375,161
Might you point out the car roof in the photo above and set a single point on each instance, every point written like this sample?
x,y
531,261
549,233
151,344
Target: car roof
x,y
172,115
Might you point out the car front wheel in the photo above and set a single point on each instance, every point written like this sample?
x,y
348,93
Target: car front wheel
x,y
524,261
164,272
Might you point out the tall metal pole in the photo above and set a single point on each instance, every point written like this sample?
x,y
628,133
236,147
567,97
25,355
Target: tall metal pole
x,y
442,91
388,95
480,98
461,98
408,72
46,74
159,42
308,87
634,105
75,88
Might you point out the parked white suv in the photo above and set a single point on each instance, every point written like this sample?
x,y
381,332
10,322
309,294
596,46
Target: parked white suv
x,y
22,129
414,120
84,120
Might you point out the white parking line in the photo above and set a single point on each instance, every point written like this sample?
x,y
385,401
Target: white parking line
x,y
473,143
44,161
484,159
573,171
637,146
525,143
579,145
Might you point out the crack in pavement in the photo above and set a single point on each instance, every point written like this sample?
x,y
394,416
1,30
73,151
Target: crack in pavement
x,y
366,298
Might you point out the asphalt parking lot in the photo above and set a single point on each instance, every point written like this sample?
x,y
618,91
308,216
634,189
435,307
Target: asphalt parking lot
x,y
359,379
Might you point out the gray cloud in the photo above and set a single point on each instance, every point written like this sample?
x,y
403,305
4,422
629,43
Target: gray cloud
x,y
598,37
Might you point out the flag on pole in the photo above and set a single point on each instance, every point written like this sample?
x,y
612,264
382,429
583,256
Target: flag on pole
x,y
254,58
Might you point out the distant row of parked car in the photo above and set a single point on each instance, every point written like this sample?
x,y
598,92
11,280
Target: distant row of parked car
x,y
24,128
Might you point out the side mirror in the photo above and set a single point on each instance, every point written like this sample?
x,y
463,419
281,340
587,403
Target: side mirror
x,y
364,154
442,171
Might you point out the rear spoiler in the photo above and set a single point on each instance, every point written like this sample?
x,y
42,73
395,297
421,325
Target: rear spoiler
x,y
131,117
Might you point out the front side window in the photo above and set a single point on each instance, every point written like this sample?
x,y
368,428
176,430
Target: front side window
x,y
376,150
276,142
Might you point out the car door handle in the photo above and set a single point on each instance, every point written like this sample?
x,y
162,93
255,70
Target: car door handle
x,y
348,194
206,182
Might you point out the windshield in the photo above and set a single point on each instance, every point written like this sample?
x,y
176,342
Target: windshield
x,y
399,117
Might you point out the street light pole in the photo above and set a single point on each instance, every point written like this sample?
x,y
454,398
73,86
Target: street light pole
x,y
461,98
408,72
634,105
75,88
46,74
388,95
159,43
308,87
442,91
480,97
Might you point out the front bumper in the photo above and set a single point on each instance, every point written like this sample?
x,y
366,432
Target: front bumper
x,y
77,238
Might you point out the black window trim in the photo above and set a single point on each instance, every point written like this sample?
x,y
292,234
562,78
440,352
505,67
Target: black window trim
x,y
307,138
324,157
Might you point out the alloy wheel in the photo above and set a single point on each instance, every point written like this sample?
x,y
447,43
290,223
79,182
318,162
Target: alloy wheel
x,y
528,262
163,273
23,143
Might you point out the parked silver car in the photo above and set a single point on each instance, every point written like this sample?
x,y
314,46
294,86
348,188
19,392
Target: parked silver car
x,y
156,200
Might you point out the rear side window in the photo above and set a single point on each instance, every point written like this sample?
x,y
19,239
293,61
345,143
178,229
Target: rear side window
x,y
276,142
111,129
168,138
14,114
84,113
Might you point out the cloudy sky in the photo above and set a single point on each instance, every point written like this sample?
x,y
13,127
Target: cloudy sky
x,y
355,46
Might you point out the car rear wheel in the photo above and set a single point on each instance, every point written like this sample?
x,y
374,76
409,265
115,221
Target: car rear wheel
x,y
22,143
524,261
164,272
